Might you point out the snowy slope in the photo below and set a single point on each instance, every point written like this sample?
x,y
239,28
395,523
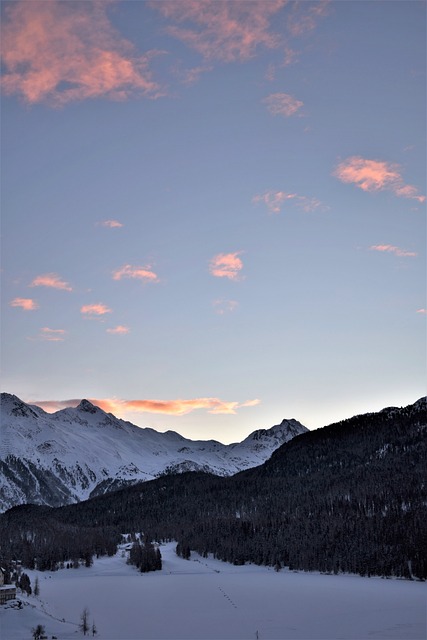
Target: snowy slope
x,y
72,454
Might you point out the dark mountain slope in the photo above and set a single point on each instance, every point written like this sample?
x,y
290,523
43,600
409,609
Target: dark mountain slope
x,y
349,497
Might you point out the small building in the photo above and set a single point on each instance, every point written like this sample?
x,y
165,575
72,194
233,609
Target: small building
x,y
7,591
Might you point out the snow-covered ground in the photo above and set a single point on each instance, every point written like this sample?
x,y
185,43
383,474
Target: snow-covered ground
x,y
207,599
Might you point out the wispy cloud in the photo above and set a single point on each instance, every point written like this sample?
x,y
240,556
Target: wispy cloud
x,y
189,76
50,406
220,29
274,201
304,16
397,251
52,335
282,104
97,309
170,407
119,330
226,265
423,311
225,306
290,57
140,273
28,304
111,224
375,175
58,52
51,280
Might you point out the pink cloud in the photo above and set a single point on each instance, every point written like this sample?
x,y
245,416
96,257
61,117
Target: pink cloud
x,y
389,248
97,309
220,29
169,407
140,273
282,104
190,76
112,224
290,57
52,335
302,20
51,280
226,265
58,52
375,175
225,306
274,201
119,330
24,303
424,311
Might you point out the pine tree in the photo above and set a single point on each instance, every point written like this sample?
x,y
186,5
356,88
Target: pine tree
x,y
38,632
36,587
25,584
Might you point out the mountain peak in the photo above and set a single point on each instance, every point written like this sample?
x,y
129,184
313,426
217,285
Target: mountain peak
x,y
13,405
87,407
280,433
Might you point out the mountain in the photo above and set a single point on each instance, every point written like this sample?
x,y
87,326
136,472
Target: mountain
x,y
350,497
74,454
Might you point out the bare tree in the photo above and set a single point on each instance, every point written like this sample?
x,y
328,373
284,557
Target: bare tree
x,y
84,621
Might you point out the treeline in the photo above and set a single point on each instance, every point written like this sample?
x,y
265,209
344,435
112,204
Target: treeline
x,y
350,497
40,540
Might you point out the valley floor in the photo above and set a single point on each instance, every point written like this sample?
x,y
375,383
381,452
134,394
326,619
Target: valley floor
x,y
205,599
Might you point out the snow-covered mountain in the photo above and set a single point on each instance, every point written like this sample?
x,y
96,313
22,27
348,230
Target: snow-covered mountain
x,y
73,454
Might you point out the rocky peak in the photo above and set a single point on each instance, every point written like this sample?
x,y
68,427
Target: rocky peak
x,y
87,407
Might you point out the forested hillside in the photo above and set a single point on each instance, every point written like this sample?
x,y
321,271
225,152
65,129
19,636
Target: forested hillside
x,y
349,497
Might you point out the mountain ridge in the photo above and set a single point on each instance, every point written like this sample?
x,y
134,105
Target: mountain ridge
x,y
76,453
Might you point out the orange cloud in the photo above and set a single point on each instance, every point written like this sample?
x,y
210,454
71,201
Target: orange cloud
x,y
389,248
52,335
225,306
282,104
140,273
51,280
112,224
375,175
119,330
220,29
98,309
275,199
169,407
50,406
25,303
58,52
226,265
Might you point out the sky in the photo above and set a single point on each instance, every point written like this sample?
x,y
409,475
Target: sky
x,y
213,211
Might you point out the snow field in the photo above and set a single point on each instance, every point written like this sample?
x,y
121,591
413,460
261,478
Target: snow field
x,y
205,599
